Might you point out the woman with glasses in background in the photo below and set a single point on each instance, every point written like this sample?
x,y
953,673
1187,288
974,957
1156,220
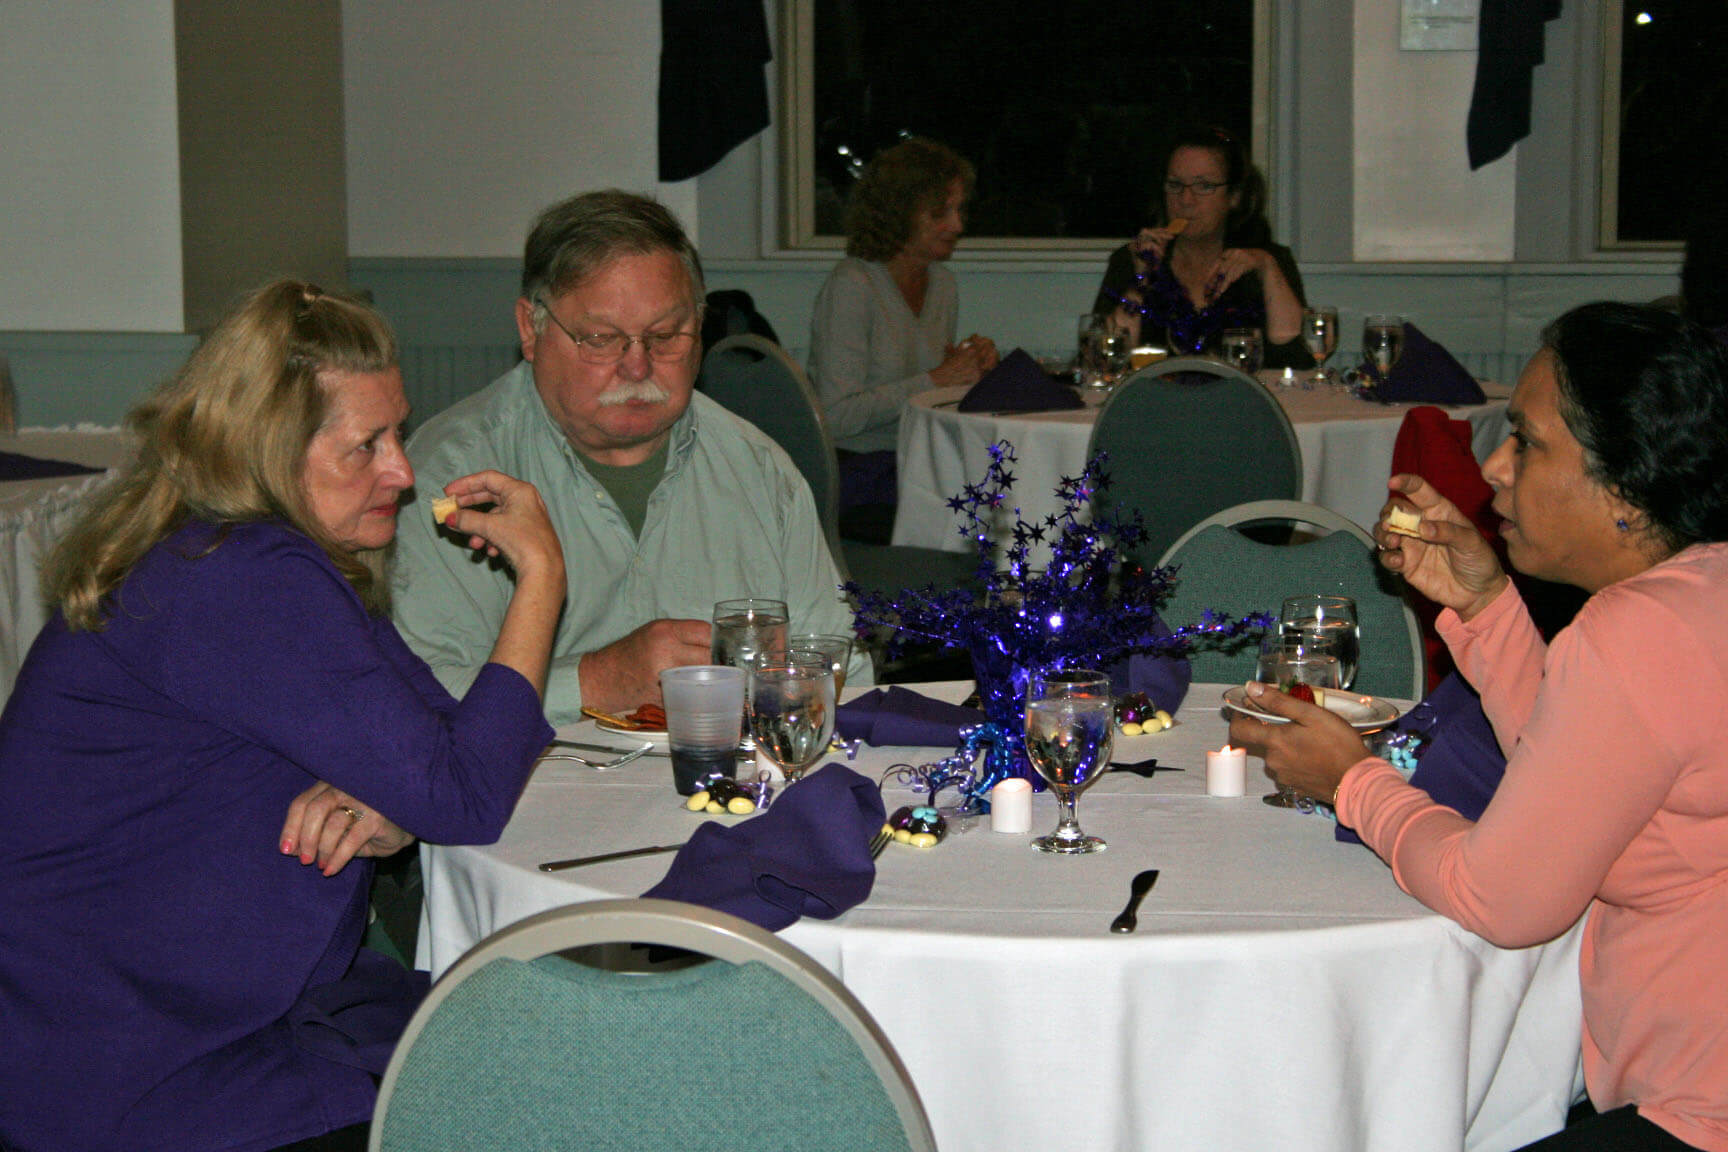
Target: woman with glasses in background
x,y
1208,262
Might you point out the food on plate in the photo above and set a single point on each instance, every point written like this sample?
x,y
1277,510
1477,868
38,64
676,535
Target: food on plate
x,y
443,508
1307,692
649,717
1177,225
1404,521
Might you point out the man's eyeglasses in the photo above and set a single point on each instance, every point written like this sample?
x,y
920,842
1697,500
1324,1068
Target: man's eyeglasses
x,y
1198,187
610,347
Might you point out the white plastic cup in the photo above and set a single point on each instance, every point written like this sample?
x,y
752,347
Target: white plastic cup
x,y
704,718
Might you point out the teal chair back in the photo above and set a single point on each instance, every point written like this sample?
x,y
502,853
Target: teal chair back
x,y
1221,568
517,1048
1189,437
753,377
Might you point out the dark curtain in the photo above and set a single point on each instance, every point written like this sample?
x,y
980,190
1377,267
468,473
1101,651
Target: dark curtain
x,y
713,90
1510,46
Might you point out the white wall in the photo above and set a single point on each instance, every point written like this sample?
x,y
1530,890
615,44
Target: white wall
x,y
1415,196
466,119
89,167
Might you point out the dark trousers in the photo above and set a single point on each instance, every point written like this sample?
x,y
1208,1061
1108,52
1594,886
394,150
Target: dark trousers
x,y
1621,1130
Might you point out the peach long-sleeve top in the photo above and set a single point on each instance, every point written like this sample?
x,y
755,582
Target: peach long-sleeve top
x,y
1615,800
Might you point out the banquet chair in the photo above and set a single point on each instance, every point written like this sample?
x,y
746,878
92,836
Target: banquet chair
x,y
1188,437
518,1047
753,377
1220,567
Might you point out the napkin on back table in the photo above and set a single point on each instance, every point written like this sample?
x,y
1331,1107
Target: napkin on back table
x,y
1019,383
807,854
899,717
1428,374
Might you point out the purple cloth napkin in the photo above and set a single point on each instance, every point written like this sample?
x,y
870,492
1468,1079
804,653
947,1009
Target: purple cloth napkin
x,y
1462,764
15,466
808,854
1018,383
1164,679
1426,373
358,1019
900,717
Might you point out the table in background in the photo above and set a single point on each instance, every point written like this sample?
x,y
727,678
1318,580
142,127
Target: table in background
x,y
1281,992
33,516
1346,453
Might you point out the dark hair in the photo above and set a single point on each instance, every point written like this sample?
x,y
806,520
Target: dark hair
x,y
1645,392
575,238
1246,226
912,176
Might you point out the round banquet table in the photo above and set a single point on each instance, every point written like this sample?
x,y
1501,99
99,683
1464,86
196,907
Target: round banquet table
x,y
1281,992
34,514
1346,447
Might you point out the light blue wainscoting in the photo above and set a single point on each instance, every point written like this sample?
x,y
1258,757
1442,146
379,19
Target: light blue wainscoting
x,y
68,378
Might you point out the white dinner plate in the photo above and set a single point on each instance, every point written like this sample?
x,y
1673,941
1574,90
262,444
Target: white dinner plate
x,y
1364,712
654,736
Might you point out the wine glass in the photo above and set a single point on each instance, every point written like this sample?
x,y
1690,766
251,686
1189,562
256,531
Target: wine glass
x,y
1285,659
1320,334
1113,353
1326,624
742,630
1241,348
836,650
1383,342
1068,723
792,710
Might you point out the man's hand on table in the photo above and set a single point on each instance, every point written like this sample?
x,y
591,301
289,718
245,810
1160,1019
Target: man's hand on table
x,y
625,674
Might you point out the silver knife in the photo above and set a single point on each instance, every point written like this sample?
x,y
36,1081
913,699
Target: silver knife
x,y
579,861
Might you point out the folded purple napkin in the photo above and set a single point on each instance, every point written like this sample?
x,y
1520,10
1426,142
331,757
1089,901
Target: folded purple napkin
x,y
808,854
16,466
1460,763
1164,679
1426,373
358,1019
900,717
1018,383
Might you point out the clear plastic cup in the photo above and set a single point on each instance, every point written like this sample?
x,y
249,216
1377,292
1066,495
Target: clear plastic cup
x,y
704,717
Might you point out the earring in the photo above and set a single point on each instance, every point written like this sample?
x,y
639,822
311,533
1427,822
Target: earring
x,y
1622,525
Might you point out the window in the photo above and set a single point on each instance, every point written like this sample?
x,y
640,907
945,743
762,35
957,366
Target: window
x,y
1664,107
1063,107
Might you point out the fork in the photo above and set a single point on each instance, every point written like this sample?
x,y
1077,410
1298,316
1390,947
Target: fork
x,y
600,765
883,836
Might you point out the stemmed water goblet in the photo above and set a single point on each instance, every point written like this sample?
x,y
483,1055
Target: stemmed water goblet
x,y
792,709
1320,334
743,629
1382,343
1241,348
1069,715
1327,625
1285,659
836,650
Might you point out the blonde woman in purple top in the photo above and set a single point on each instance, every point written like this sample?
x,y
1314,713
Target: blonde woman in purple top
x,y
216,730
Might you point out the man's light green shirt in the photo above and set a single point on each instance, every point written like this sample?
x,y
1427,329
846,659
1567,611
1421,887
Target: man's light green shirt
x,y
731,517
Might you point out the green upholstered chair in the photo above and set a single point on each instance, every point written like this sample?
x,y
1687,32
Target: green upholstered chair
x,y
518,1048
1224,569
1188,437
755,378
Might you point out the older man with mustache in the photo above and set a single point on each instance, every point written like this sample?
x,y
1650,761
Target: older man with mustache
x,y
664,501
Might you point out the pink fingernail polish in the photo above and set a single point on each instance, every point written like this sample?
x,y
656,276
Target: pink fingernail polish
x,y
287,847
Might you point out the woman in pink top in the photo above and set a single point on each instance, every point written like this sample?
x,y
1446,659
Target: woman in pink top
x,y
1615,799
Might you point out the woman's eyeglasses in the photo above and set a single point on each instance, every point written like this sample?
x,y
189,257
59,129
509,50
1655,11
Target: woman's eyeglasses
x,y
1198,187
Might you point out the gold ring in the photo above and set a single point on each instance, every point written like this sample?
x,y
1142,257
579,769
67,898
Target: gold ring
x,y
352,814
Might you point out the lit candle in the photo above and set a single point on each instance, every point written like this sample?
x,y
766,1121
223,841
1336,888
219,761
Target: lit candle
x,y
1227,771
1011,806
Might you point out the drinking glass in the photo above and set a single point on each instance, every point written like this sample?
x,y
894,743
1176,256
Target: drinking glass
x,y
1088,368
836,650
742,630
1241,348
1383,342
1113,353
1320,334
1068,724
1326,624
1285,660
792,709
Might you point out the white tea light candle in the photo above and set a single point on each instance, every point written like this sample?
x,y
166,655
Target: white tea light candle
x,y
1011,806
1227,771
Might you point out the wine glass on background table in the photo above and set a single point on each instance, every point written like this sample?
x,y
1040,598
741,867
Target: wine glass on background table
x,y
1382,342
792,709
1326,624
1069,716
1241,348
743,629
1320,334
1286,660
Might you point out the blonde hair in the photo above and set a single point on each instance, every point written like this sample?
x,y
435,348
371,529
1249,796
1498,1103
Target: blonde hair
x,y
225,441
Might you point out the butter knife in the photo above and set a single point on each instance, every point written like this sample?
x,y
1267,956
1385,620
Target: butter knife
x,y
579,861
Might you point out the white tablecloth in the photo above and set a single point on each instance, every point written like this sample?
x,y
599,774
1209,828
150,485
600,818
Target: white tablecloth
x,y
1346,453
1280,992
33,515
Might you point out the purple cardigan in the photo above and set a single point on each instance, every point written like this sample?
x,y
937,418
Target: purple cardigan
x,y
169,979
